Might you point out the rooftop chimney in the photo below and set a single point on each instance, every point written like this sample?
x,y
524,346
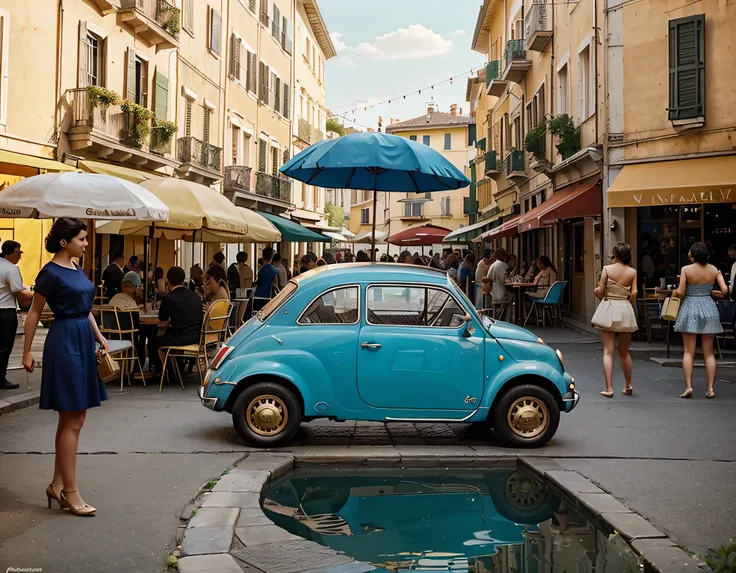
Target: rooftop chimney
x,y
430,107
453,109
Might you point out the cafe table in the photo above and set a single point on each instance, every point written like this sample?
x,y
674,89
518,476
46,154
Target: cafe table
x,y
518,289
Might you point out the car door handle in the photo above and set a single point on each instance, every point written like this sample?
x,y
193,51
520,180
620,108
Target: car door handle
x,y
370,345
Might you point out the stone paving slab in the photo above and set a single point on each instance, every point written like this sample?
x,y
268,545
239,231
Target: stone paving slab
x,y
259,535
600,503
632,526
220,563
665,556
290,556
572,482
248,481
243,500
215,517
206,540
250,517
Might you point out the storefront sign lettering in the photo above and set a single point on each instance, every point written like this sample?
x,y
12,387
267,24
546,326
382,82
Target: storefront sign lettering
x,y
9,212
675,198
110,212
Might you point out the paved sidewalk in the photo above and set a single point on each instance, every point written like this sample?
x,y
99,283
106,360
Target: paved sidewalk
x,y
144,454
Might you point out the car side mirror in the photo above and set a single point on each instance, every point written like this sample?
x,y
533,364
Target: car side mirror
x,y
467,331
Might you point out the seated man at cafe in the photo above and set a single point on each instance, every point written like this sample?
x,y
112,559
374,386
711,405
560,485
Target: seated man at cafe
x,y
182,310
128,300
267,275
496,277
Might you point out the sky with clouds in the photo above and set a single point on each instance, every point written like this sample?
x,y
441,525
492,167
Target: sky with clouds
x,y
387,48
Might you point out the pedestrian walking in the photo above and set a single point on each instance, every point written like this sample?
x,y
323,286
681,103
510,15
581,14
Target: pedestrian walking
x,y
69,381
615,315
699,314
12,293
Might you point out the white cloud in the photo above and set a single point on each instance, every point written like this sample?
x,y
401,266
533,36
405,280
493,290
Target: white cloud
x,y
345,61
416,41
457,33
337,41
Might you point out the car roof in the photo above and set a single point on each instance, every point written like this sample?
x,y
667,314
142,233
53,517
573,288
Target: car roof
x,y
333,275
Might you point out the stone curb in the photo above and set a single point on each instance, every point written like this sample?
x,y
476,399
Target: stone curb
x,y
230,532
19,402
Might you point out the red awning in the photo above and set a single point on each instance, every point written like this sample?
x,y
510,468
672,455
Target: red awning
x,y
508,229
422,236
579,200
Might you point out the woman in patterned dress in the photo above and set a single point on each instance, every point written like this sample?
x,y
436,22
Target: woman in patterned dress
x,y
699,314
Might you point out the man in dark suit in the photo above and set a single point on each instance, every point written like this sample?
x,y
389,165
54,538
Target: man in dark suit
x,y
113,275
182,309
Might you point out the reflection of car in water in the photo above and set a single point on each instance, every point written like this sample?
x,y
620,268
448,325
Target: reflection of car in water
x,y
428,521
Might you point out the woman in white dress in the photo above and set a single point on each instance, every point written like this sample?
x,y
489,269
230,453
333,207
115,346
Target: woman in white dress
x,y
615,314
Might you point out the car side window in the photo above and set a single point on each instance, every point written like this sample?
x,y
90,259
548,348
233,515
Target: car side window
x,y
337,306
412,306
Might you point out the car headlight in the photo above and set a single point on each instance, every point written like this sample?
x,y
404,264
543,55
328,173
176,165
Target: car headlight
x,y
560,358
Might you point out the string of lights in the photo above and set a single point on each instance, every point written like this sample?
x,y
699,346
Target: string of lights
x,y
429,88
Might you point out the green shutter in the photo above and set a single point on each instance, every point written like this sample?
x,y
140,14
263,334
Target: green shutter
x,y
687,68
481,144
471,134
162,96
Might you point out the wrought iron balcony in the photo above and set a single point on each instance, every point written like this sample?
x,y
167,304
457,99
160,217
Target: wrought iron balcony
x,y
514,165
199,153
317,135
491,163
537,26
273,186
305,130
156,21
98,131
515,64
237,179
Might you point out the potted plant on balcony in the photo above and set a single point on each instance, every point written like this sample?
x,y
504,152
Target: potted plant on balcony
x,y
172,17
568,136
137,122
535,143
162,133
102,98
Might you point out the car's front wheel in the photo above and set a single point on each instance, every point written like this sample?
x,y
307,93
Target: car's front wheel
x,y
526,416
267,415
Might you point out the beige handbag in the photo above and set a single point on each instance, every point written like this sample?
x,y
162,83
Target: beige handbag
x,y
107,368
670,308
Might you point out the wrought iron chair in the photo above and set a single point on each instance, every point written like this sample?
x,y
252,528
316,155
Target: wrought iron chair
x,y
214,333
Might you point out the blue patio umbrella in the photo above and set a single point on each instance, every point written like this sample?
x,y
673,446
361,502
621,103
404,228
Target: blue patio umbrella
x,y
375,162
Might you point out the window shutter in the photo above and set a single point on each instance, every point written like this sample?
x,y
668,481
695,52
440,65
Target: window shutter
x,y
687,68
275,22
277,94
215,32
252,72
252,6
162,96
471,135
206,125
130,91
83,60
188,22
261,155
287,95
233,39
263,81
188,118
581,91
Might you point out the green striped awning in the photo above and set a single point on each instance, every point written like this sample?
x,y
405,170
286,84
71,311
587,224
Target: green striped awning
x,y
292,231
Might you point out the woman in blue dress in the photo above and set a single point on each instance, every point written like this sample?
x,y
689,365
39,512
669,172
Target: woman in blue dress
x,y
69,381
699,314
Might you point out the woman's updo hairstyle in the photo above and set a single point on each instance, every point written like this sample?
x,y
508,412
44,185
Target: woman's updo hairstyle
x,y
64,229
699,253
622,252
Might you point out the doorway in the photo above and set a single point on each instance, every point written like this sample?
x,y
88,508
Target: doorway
x,y
577,267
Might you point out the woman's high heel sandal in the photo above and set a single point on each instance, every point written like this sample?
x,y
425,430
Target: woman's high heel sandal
x,y
710,394
52,494
84,510
687,393
628,391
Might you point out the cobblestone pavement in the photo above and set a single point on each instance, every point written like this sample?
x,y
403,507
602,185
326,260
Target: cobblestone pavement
x,y
144,454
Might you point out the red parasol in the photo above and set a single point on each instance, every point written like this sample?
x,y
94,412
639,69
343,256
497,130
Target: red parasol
x,y
423,236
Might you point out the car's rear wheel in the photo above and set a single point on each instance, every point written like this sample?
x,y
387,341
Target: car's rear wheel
x,y
521,498
526,416
267,415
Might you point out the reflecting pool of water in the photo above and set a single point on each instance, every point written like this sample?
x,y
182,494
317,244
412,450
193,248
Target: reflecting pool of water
x,y
501,520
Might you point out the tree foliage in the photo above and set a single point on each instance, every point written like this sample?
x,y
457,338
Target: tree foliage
x,y
335,215
335,126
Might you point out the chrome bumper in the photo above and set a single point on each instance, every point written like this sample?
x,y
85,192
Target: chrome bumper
x,y
206,402
570,400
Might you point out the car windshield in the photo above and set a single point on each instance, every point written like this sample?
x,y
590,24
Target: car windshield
x,y
273,304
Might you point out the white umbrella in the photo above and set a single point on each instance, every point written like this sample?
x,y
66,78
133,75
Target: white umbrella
x,y
81,196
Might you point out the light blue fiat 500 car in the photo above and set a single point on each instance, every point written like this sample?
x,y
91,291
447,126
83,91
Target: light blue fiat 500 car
x,y
389,343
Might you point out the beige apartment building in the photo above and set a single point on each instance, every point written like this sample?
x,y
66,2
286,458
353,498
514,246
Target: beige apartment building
x,y
539,120
203,90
